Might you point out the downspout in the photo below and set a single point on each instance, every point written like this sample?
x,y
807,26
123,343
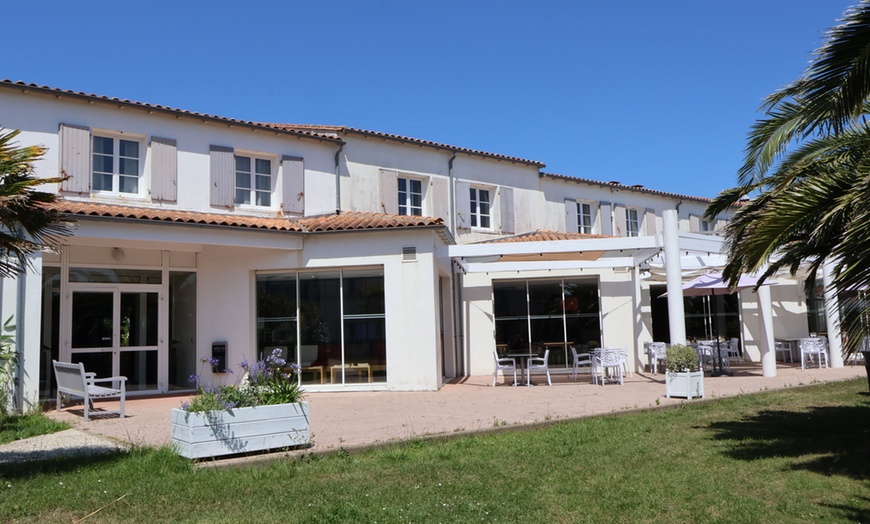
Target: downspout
x,y
338,179
18,385
456,278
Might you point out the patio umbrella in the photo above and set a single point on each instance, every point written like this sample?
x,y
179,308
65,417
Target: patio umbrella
x,y
711,284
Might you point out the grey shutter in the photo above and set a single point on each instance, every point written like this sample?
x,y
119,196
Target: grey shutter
x,y
463,205
619,225
606,220
223,171
294,184
571,223
506,208
720,224
694,224
164,169
389,191
438,198
650,222
75,158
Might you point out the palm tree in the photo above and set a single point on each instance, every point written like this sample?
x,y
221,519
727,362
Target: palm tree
x,y
804,188
28,224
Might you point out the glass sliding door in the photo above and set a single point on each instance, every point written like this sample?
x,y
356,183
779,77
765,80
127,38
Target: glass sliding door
x,y
320,326
365,334
182,329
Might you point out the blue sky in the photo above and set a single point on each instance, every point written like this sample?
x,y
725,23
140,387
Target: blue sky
x,y
656,93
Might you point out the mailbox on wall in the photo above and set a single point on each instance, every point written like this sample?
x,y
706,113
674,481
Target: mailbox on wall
x,y
219,356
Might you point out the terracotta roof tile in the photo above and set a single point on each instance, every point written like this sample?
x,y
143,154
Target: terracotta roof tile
x,y
636,187
323,129
350,221
542,235
25,87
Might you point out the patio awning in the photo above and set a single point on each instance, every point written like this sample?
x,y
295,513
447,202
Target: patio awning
x,y
584,253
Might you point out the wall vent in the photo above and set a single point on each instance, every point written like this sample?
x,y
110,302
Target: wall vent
x,y
409,254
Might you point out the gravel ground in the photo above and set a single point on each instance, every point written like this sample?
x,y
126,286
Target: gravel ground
x,y
63,443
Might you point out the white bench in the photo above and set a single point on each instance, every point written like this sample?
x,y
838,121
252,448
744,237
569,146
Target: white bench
x,y
73,381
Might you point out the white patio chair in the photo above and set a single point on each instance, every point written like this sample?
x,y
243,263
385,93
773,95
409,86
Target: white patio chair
x,y
504,364
74,381
605,360
539,364
782,346
734,350
579,360
655,352
813,349
707,354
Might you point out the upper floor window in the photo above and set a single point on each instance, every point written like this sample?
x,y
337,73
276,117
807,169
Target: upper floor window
x,y
410,197
480,208
115,164
705,226
253,181
632,223
584,218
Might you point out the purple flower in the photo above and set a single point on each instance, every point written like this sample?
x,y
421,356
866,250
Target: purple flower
x,y
228,370
185,405
193,378
213,361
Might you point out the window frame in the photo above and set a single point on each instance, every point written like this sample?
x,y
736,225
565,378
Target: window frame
x,y
636,222
408,193
252,188
475,216
116,156
581,227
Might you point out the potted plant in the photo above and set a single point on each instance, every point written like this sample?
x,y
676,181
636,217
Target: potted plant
x,y
262,411
683,378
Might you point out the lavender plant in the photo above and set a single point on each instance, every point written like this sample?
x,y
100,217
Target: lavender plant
x,y
265,382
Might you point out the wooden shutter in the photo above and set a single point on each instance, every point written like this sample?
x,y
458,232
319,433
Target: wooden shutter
x,y
294,184
694,224
619,221
164,169
571,219
606,219
650,222
75,158
438,198
389,191
223,172
506,209
463,205
720,224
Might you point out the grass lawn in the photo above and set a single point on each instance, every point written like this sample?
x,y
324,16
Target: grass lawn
x,y
787,456
16,427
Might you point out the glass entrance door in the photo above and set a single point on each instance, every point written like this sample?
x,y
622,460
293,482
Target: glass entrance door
x,y
115,331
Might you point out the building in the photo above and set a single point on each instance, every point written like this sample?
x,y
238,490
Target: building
x,y
375,261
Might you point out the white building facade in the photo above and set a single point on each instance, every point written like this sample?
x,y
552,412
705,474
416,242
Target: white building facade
x,y
374,261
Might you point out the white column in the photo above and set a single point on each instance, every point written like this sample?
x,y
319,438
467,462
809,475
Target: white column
x,y
832,316
765,338
674,274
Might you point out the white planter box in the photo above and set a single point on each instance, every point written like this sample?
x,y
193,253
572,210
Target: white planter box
x,y
240,430
688,384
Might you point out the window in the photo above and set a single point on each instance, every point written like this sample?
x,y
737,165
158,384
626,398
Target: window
x,y
705,226
584,218
632,223
480,205
115,164
410,197
253,181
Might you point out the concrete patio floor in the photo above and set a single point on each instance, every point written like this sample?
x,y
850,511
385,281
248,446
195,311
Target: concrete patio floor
x,y
352,420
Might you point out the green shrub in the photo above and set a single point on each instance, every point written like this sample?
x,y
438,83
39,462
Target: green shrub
x,y
680,358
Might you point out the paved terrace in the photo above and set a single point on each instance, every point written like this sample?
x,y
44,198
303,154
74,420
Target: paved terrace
x,y
352,420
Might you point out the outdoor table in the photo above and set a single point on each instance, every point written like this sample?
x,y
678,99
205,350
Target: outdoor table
x,y
523,359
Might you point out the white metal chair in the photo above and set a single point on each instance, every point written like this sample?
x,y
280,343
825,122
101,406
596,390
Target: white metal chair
x,y
539,364
74,381
579,360
734,350
504,364
655,352
782,346
813,349
707,354
608,359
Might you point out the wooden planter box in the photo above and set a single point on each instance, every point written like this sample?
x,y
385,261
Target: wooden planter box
x,y
687,384
239,430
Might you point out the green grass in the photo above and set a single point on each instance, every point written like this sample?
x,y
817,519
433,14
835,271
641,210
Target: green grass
x,y
787,456
14,427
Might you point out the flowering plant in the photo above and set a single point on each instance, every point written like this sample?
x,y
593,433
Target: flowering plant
x,y
265,382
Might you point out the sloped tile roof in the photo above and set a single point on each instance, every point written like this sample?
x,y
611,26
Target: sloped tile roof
x,y
335,130
25,87
542,235
639,188
349,221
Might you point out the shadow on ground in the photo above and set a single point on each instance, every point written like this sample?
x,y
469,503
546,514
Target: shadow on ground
x,y
830,440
